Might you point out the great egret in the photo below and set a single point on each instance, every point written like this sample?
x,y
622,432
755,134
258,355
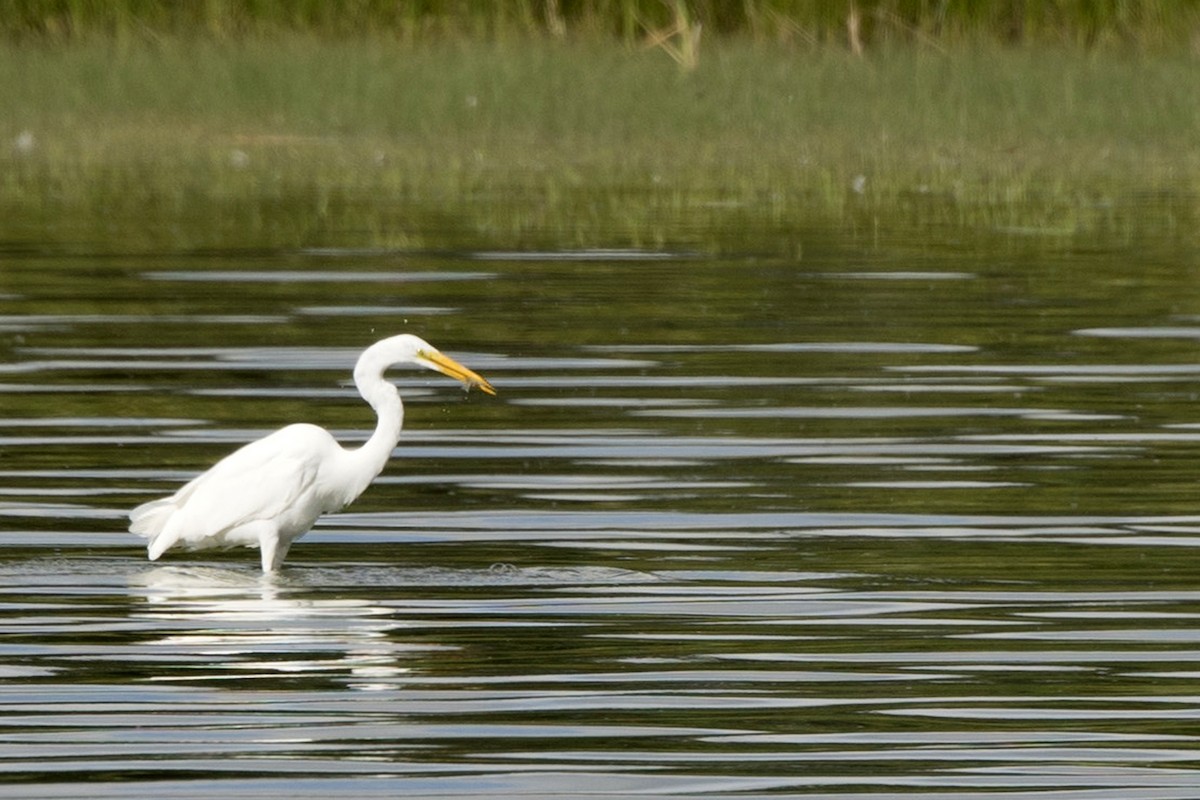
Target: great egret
x,y
270,492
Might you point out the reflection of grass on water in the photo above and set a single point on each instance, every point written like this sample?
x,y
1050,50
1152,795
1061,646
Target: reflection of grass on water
x,y
291,141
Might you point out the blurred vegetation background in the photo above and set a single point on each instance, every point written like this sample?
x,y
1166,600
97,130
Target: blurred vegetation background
x,y
856,23
711,124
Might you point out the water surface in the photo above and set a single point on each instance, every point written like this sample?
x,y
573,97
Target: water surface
x,y
879,520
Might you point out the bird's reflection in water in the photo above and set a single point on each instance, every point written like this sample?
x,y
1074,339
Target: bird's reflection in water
x,y
216,624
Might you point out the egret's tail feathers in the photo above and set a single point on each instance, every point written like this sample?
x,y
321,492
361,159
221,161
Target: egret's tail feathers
x,y
158,545
150,520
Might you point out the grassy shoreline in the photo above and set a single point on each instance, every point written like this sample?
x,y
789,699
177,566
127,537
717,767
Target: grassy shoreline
x,y
298,141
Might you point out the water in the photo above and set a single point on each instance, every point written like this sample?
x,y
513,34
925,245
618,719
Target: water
x,y
888,518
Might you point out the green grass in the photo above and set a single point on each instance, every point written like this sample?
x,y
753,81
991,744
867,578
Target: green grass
x,y
1089,23
292,141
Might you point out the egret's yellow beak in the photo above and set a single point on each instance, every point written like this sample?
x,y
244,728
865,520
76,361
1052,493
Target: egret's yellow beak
x,y
446,365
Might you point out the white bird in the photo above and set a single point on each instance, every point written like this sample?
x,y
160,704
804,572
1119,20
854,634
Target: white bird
x,y
270,492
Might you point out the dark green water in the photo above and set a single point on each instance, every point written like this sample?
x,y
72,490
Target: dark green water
x,y
888,517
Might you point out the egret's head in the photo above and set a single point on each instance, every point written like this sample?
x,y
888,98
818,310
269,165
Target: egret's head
x,y
415,350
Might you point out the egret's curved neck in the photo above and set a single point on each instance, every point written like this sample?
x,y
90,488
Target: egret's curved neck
x,y
368,460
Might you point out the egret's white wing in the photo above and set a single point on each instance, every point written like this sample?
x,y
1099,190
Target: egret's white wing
x,y
271,479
